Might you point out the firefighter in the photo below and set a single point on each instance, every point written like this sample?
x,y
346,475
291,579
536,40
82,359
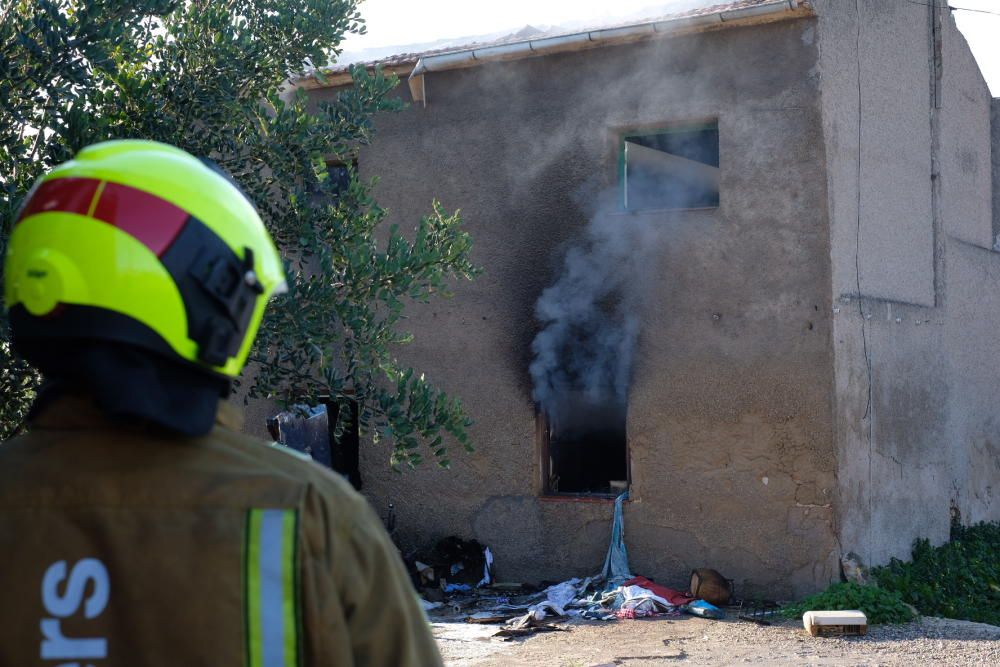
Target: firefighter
x,y
137,526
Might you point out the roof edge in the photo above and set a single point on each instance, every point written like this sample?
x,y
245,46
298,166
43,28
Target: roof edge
x,y
415,69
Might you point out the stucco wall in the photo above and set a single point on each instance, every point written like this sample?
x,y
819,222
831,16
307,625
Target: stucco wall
x,y
972,278
995,145
964,151
923,441
896,252
729,414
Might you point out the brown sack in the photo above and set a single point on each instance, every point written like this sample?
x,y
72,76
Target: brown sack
x,y
710,586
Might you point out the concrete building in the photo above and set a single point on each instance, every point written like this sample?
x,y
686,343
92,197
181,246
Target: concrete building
x,y
807,204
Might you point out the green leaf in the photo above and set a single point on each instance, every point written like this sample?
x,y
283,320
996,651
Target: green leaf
x,y
206,77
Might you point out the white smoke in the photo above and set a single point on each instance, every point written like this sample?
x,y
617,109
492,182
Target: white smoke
x,y
590,317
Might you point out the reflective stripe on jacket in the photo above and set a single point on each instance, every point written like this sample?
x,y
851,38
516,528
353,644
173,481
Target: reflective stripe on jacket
x,y
120,546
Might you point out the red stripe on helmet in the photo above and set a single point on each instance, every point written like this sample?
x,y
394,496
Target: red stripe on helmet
x,y
69,195
151,220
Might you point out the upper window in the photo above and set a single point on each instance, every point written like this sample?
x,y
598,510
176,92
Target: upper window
x,y
671,168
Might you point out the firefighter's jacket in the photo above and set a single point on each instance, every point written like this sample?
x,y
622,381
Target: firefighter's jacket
x,y
123,547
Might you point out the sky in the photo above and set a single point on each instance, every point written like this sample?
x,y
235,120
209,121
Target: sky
x,y
404,22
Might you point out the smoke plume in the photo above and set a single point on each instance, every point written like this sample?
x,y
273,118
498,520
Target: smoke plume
x,y
590,315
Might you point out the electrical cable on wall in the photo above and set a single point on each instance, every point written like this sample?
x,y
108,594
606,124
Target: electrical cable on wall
x,y
953,9
977,11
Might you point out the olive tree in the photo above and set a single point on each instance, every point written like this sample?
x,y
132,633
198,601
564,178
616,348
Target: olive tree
x,y
212,77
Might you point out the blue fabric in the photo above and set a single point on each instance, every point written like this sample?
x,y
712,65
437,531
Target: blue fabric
x,y
702,604
616,571
704,609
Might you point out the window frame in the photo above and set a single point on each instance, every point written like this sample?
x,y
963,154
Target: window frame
x,y
625,133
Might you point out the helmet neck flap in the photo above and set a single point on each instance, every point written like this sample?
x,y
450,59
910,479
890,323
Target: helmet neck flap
x,y
129,383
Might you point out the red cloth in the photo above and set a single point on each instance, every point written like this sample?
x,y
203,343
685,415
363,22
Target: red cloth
x,y
675,598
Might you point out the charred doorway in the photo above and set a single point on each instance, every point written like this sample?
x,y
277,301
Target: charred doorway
x,y
584,445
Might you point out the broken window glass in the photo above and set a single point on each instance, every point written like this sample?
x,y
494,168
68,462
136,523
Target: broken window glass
x,y
671,168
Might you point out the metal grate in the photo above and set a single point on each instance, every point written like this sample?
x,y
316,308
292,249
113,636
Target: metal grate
x,y
761,612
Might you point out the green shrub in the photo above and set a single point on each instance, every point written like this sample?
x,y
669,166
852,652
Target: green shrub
x,y
880,605
959,579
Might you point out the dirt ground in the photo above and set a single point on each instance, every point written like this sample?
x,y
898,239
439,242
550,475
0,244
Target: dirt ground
x,y
696,641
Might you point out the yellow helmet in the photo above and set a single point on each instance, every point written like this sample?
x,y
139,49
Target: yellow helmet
x,y
141,243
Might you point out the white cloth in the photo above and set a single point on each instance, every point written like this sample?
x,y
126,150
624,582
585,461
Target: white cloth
x,y
637,597
558,597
